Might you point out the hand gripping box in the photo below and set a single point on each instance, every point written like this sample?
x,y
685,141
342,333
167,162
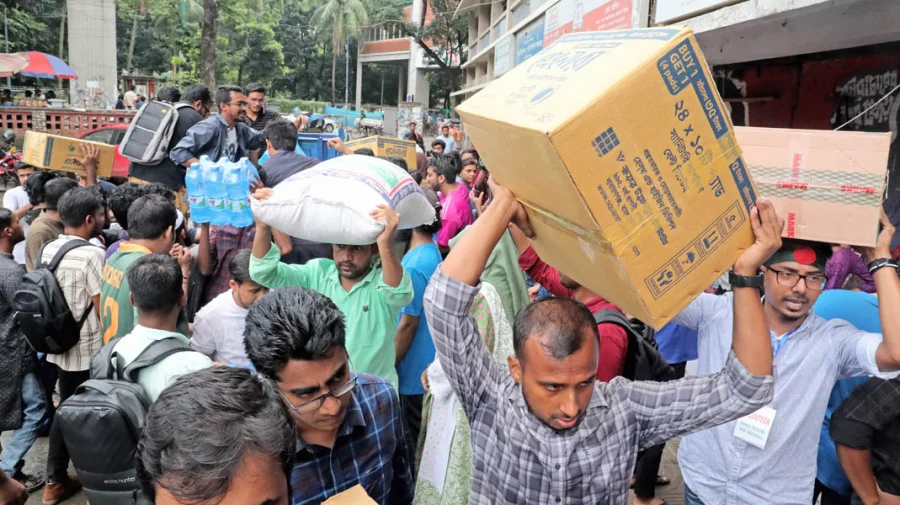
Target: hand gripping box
x,y
62,153
828,186
622,152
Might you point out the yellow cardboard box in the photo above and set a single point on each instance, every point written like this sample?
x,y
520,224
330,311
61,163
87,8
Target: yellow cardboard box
x,y
387,146
828,186
622,152
60,153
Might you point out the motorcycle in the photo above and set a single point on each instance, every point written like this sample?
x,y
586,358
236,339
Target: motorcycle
x,y
11,155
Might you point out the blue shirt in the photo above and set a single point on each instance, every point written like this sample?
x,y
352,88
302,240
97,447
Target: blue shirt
x,y
370,450
861,310
421,263
676,343
724,470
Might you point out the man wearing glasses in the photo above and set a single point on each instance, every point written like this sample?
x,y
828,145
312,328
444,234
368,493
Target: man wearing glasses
x,y
349,425
224,135
770,455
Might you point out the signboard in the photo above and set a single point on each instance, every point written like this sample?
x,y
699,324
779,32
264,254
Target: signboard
x,y
530,40
602,15
504,55
668,10
558,21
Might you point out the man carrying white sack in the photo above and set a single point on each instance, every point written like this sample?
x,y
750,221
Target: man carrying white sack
x,y
370,295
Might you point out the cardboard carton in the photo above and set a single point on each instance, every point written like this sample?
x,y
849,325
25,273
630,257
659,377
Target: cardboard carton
x,y
828,186
60,153
387,146
622,153
356,495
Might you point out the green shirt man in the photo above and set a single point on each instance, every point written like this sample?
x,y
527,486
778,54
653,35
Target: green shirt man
x,y
117,314
370,307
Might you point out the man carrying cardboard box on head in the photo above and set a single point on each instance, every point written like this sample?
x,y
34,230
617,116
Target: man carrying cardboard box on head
x,y
770,455
547,431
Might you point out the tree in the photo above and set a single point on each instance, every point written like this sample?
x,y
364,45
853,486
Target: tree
x,y
208,41
344,18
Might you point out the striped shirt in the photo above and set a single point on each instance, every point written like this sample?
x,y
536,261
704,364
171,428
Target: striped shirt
x,y
370,450
518,459
80,277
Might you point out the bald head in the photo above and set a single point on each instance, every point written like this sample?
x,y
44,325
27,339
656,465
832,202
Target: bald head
x,y
559,325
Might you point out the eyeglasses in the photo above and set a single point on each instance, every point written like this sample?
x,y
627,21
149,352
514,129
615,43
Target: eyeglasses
x,y
242,105
315,404
814,282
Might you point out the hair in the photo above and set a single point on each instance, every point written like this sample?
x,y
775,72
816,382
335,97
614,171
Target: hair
x,y
28,93
255,87
6,216
852,283
155,282
439,142
561,320
126,194
239,268
446,125
456,159
417,176
412,123
55,189
169,94
150,216
196,92
77,204
443,165
291,323
131,88
396,160
35,186
364,151
282,134
223,93
201,429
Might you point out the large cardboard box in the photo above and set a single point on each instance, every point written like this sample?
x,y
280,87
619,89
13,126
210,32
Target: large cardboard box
x,y
387,146
622,152
828,186
61,153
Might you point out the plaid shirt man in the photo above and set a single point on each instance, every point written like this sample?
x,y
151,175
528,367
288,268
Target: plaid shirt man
x,y
518,459
370,450
225,242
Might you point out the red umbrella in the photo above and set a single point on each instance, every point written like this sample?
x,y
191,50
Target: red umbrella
x,y
46,66
11,63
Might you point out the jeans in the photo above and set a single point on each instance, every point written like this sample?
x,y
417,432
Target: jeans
x,y
33,406
829,496
57,453
690,498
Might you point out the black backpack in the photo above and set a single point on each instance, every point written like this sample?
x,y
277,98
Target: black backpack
x,y
102,422
643,362
42,310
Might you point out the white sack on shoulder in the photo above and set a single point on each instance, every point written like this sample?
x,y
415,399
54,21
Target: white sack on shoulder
x,y
331,202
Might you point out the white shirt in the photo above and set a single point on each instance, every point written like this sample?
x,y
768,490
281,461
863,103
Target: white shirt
x,y
15,199
724,470
219,331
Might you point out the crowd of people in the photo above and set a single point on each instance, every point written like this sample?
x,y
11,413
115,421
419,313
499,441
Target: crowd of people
x,y
422,367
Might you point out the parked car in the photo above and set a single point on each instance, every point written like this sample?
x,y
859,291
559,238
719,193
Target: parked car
x,y
112,135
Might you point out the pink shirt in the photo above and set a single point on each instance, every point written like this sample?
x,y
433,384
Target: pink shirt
x,y
455,215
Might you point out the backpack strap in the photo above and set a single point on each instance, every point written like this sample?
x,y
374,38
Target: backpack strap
x,y
57,259
153,354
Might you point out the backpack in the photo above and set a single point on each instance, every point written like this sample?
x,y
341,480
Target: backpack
x,y
41,308
147,139
643,362
102,422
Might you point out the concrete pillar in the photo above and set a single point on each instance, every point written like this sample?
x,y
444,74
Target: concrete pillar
x,y
401,89
359,71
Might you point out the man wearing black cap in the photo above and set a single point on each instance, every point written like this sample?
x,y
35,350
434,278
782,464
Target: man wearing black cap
x,y
770,456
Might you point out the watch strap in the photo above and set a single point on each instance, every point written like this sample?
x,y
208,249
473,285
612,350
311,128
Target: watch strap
x,y
882,263
745,281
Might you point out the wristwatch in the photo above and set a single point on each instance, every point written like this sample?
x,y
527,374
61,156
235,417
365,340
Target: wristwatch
x,y
745,281
881,263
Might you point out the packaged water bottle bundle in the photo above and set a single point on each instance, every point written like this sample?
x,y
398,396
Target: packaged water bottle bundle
x,y
219,191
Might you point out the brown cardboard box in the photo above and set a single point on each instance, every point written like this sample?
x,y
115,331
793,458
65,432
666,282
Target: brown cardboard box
x,y
828,186
356,495
387,146
620,148
60,153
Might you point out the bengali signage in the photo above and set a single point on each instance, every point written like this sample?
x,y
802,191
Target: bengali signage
x,y
668,10
504,55
530,40
558,21
597,15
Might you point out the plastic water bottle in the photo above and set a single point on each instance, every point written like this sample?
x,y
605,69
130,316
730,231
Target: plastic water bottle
x,y
193,180
238,185
214,182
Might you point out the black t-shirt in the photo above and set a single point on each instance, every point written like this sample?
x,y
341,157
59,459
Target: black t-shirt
x,y
265,117
166,171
